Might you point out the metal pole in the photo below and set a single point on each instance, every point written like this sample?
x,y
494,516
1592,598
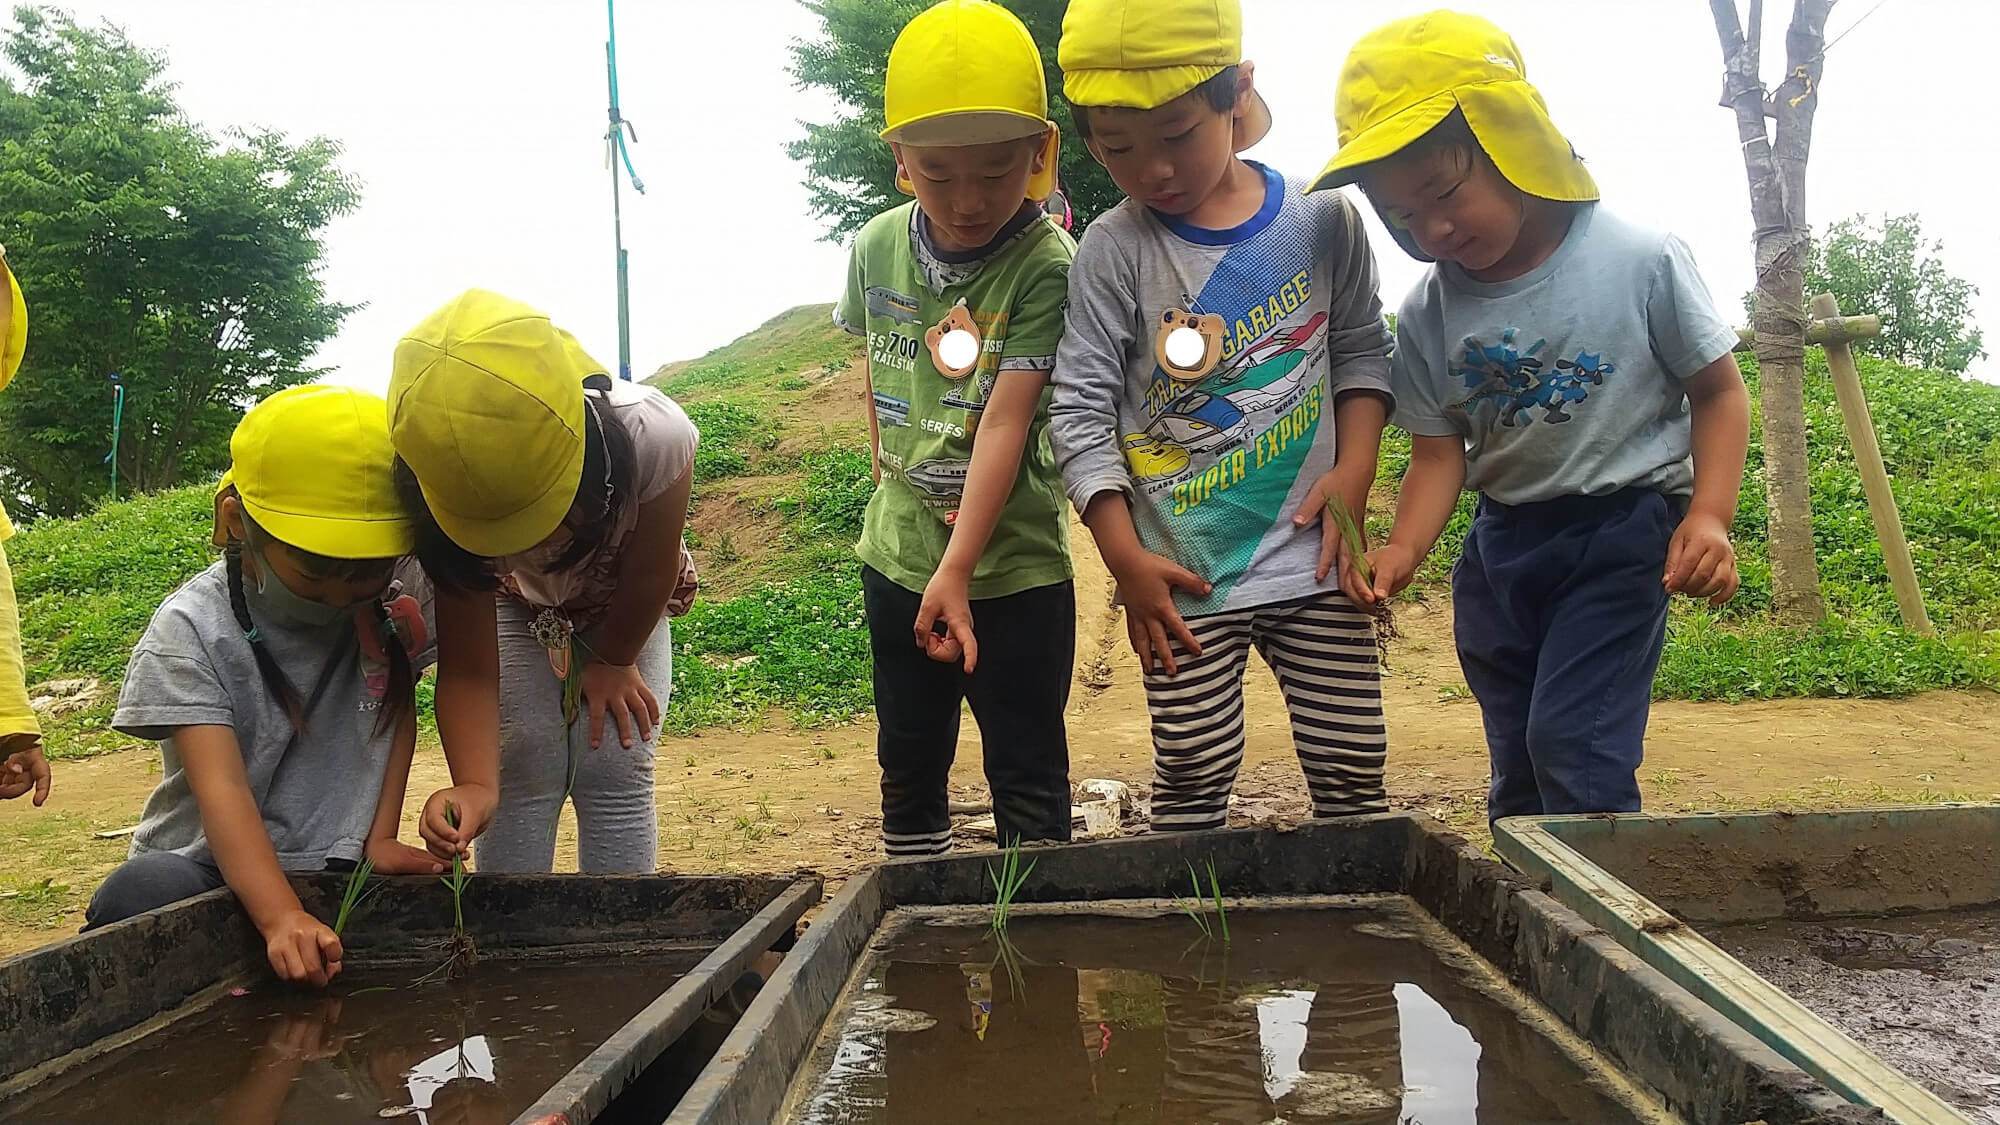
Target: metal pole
x,y
617,214
117,422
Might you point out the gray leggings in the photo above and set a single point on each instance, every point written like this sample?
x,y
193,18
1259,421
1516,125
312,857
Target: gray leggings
x,y
617,823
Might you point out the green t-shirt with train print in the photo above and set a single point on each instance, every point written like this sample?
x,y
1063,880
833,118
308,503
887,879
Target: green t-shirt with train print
x,y
900,284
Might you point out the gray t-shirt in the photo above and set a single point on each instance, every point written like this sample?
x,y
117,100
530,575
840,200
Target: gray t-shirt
x,y
1565,381
193,668
1215,470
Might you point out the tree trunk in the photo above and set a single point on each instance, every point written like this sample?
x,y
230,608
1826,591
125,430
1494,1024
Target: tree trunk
x,y
1777,208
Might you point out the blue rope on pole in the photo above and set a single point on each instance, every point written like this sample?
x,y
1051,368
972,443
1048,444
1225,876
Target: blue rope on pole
x,y
619,126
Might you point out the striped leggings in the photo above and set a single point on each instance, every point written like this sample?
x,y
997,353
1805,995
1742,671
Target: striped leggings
x,y
1323,652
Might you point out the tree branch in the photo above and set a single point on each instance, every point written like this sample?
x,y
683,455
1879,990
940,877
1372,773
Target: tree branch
x,y
1743,92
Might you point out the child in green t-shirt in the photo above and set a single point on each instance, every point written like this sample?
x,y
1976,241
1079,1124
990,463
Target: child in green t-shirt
x,y
960,295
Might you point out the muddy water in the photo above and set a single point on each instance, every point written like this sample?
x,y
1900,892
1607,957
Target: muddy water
x,y
374,1047
1346,1015
1922,991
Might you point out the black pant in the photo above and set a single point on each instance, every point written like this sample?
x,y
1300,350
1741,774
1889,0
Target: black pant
x,y
1027,649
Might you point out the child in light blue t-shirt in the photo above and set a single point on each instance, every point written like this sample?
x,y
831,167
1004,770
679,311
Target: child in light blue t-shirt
x,y
1568,366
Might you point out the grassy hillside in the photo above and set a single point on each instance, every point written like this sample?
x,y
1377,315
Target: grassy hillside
x,y
782,480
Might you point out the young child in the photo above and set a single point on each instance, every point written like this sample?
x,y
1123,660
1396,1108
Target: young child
x,y
967,579
1562,363
549,502
279,682
23,769
1222,380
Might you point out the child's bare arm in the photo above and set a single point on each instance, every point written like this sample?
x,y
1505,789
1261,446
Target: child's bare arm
x,y
300,947
468,719
1424,506
996,463
390,856
1701,563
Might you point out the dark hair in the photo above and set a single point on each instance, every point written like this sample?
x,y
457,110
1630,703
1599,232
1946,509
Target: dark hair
x,y
1219,92
1450,141
603,490
401,693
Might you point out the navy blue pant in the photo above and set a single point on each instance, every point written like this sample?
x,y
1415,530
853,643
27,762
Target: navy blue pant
x,y
1560,618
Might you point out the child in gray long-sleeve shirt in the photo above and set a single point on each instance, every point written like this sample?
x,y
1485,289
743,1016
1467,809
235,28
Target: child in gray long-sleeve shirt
x,y
1223,376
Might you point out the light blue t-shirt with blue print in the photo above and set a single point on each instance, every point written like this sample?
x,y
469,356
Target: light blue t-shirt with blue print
x,y
1215,470
1567,380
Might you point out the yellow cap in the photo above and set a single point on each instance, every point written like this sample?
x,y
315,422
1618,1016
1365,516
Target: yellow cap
x,y
13,323
313,466
1142,54
486,407
1404,78
966,72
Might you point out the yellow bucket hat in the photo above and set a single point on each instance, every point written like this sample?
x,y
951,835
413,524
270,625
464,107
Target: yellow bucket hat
x,y
486,407
966,72
1142,54
313,466
13,323
1403,78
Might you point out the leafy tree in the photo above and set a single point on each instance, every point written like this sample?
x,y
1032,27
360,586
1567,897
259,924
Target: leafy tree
x,y
147,249
853,175
1886,266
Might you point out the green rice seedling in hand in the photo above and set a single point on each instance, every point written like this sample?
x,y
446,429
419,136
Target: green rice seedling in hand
x,y
359,890
458,948
1350,535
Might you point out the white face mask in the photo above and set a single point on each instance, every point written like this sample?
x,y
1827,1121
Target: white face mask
x,y
279,602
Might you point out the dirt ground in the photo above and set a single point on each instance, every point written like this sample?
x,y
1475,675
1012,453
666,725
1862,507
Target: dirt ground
x,y
779,798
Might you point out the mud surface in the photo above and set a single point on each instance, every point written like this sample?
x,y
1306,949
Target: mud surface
x,y
1921,991
374,1047
1311,1015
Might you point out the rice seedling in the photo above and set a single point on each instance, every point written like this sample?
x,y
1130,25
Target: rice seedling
x,y
458,948
359,890
1007,884
1350,535
1196,906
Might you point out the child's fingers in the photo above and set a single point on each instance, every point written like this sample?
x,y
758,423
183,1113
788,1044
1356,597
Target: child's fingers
x,y
652,710
1330,551
1156,637
969,644
330,951
1177,575
597,713
1730,580
43,780
1675,576
285,962
621,714
1180,630
1701,578
926,622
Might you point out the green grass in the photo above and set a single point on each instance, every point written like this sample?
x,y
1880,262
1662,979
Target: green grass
x,y
786,353
1940,438
732,433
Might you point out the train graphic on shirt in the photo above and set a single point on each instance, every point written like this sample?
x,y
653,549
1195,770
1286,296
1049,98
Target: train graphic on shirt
x,y
1216,413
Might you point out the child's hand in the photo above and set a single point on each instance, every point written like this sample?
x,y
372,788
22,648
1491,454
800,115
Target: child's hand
x,y
1393,565
393,857
945,601
619,691
1349,487
473,805
25,769
303,948
1151,618
1700,562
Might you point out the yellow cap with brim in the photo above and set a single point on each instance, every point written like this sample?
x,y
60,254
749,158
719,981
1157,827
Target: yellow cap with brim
x,y
314,468
966,72
1142,54
486,407
1401,80
13,323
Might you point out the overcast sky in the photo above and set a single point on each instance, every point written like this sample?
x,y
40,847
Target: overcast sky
x,y
475,127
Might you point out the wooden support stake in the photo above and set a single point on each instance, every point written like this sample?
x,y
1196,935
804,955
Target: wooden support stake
x,y
1826,330
1874,478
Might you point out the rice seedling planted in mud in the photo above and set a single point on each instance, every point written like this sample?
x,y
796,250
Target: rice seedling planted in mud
x,y
360,888
1007,884
1196,908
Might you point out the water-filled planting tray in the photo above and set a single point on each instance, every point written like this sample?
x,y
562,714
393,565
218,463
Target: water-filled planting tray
x,y
1370,970
1863,945
580,983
